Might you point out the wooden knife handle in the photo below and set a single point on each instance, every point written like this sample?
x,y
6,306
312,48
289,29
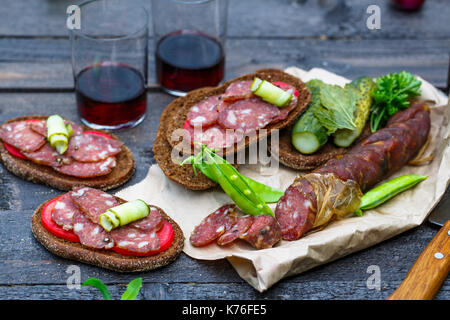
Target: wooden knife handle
x,y
429,271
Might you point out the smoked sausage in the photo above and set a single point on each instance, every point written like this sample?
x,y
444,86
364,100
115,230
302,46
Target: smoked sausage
x,y
367,163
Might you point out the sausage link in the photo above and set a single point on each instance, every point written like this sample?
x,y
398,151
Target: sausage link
x,y
370,161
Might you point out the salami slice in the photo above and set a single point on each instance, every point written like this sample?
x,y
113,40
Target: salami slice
x,y
213,226
92,202
238,90
40,127
263,233
223,105
91,234
297,215
214,136
205,112
92,147
153,222
248,114
63,212
20,135
242,224
130,238
48,156
88,169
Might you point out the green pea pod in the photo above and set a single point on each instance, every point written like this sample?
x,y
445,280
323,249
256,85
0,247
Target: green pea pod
x,y
267,194
237,188
386,191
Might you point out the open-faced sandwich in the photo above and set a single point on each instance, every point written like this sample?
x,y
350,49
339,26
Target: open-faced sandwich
x,y
229,117
94,227
61,154
335,118
341,185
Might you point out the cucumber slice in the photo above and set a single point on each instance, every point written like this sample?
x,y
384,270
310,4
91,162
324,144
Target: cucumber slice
x,y
255,84
124,214
58,133
305,142
345,137
308,135
270,93
59,142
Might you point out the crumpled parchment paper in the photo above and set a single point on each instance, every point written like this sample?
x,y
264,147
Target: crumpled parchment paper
x,y
262,268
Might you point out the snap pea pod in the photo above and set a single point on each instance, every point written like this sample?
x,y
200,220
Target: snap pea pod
x,y
236,187
388,190
267,193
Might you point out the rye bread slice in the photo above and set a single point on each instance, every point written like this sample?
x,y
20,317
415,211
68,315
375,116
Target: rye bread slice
x,y
179,116
106,258
28,170
162,154
290,157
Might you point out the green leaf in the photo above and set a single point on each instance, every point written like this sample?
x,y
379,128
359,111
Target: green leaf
x,y
133,289
96,283
338,106
394,92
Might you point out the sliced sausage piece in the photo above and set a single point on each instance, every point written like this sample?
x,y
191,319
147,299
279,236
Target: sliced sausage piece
x,y
40,126
92,147
63,212
19,135
242,224
296,210
214,136
48,156
92,202
153,222
264,232
91,234
248,114
238,90
88,169
205,112
371,160
213,226
130,238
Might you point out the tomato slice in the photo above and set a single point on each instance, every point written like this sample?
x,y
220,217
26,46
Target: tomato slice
x,y
14,151
165,234
52,227
98,133
285,86
187,125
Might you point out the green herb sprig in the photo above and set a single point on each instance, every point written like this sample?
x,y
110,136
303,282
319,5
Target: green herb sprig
x,y
393,93
130,293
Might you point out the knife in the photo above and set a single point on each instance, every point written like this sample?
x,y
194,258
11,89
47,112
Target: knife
x,y
433,265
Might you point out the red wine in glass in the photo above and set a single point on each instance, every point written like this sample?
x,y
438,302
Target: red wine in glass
x,y
111,96
187,60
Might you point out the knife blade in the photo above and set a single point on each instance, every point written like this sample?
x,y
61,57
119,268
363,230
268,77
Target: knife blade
x,y
441,214
433,265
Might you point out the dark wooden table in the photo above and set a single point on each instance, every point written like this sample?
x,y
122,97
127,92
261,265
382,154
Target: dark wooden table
x,y
36,78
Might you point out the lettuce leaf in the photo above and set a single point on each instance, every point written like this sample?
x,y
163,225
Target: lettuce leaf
x,y
337,105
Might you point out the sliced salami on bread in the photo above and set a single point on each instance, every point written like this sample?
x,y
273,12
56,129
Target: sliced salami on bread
x,y
178,117
176,113
103,258
119,168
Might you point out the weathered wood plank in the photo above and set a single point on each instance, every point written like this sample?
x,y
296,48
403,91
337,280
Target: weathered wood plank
x,y
46,63
288,18
24,261
324,290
